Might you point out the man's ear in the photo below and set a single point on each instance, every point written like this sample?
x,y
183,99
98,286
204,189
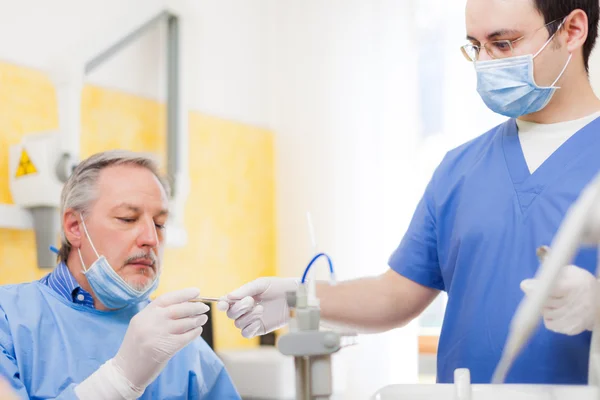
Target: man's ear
x,y
72,226
576,27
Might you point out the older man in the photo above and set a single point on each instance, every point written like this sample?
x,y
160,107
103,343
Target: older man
x,y
88,330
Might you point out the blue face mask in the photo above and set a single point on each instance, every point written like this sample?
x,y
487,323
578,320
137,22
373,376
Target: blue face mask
x,y
507,86
110,289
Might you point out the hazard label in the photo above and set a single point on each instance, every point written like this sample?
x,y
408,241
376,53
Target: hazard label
x,y
26,166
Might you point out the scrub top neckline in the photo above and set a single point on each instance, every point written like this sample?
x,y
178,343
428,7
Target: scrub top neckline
x,y
125,310
528,185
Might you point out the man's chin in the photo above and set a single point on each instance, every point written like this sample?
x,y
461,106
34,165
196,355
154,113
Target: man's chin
x,y
141,282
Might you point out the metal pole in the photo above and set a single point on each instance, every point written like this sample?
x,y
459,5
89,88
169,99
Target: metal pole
x,y
124,41
173,83
302,378
320,377
173,103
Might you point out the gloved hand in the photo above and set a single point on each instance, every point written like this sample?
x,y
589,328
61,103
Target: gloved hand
x,y
154,335
259,307
572,305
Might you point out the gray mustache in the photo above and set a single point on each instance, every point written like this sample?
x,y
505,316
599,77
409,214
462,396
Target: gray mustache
x,y
143,256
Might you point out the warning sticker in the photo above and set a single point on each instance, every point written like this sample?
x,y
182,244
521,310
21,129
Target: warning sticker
x,y
26,166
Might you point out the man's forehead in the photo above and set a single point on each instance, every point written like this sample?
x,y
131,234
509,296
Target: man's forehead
x,y
131,187
126,176
483,18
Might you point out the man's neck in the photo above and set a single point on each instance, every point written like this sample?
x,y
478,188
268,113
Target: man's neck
x,y
76,270
574,100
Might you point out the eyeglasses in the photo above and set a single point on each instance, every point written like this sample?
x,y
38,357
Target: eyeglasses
x,y
497,48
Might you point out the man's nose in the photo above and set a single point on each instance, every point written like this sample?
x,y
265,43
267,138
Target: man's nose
x,y
484,55
148,237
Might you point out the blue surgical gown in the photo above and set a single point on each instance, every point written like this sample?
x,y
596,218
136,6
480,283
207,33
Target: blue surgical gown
x,y
474,235
49,345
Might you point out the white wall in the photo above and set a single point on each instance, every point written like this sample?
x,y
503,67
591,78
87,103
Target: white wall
x,y
344,112
225,43
595,69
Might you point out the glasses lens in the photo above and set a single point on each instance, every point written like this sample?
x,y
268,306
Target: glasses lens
x,y
471,52
499,49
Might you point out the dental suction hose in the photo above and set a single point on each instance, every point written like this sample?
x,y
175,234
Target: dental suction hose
x,y
574,229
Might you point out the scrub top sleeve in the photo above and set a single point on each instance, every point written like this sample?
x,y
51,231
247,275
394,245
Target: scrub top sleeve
x,y
416,257
8,364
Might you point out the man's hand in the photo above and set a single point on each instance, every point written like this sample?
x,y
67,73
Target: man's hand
x,y
573,302
154,335
159,331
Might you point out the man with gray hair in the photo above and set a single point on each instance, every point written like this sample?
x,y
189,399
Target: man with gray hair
x,y
87,330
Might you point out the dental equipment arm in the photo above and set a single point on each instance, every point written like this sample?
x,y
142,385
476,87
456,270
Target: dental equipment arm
x,y
580,225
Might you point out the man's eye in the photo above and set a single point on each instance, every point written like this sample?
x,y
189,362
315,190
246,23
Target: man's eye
x,y
502,46
127,220
159,226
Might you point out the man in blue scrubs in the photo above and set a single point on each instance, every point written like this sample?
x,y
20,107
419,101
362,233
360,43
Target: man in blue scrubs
x,y
87,330
489,205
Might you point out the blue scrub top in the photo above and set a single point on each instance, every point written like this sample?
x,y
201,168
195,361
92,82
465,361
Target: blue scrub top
x,y
474,234
48,345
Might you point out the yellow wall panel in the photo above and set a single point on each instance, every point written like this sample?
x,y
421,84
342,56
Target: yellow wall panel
x,y
27,104
230,211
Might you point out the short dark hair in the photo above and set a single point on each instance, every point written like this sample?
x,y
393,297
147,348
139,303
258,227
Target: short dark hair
x,y
557,9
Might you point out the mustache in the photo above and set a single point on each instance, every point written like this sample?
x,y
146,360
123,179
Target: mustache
x,y
150,256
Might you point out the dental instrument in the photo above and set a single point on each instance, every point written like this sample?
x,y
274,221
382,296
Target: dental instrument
x,y
205,300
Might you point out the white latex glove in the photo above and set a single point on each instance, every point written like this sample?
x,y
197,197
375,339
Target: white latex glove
x,y
154,335
572,305
259,307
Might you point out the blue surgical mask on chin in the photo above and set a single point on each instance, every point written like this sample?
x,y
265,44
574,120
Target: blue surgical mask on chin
x,y
109,288
508,88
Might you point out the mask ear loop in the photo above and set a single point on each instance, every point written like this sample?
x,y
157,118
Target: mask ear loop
x,y
82,263
546,44
549,39
88,236
91,243
563,70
